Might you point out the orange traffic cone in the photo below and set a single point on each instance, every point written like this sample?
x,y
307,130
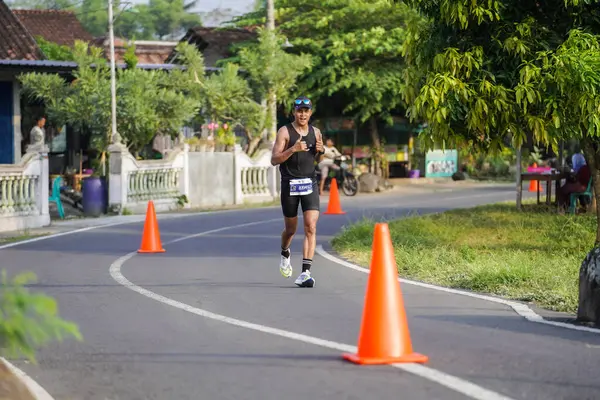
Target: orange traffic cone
x,y
533,184
334,206
384,337
151,235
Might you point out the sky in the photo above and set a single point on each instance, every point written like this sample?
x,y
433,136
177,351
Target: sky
x,y
213,12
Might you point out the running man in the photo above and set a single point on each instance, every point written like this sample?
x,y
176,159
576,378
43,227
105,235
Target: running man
x,y
297,146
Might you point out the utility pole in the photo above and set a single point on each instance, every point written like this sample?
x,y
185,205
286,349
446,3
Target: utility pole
x,y
272,103
113,85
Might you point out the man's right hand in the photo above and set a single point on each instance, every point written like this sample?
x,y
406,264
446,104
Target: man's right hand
x,y
300,145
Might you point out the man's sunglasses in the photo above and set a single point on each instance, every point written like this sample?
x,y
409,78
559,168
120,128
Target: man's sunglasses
x,y
302,101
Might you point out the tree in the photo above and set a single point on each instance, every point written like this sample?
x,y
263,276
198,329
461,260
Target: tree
x,y
356,48
28,320
148,102
271,70
241,99
482,71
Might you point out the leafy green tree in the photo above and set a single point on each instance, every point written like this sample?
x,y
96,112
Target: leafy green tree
x,y
54,51
172,17
482,72
272,71
28,320
356,48
148,102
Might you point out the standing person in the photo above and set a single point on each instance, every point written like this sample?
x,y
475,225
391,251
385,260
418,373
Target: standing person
x,y
38,133
297,146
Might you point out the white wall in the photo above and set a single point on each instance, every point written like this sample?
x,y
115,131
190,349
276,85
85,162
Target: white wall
x,y
212,179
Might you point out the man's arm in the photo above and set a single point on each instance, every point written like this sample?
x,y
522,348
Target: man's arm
x,y
279,155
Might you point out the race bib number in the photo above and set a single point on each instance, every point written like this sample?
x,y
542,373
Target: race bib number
x,y
301,187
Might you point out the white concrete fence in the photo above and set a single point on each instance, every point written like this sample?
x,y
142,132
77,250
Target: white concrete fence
x,y
24,189
190,179
182,179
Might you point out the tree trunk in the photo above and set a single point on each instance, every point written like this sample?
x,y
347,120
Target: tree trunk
x,y
376,146
272,107
589,272
252,145
592,157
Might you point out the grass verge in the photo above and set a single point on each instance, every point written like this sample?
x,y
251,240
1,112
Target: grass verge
x,y
531,256
20,237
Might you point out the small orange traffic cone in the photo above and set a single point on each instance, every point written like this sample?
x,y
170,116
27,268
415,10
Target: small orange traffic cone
x,y
534,184
384,337
151,235
334,206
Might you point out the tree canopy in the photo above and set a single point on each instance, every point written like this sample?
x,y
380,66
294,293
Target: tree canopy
x,y
355,46
478,70
148,102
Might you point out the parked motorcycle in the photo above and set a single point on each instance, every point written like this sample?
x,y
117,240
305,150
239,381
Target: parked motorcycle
x,y
345,178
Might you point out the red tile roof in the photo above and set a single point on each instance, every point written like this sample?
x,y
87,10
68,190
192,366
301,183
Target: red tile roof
x,y
58,26
147,52
16,43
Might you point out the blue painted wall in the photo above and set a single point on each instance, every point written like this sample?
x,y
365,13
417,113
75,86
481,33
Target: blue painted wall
x,y
6,123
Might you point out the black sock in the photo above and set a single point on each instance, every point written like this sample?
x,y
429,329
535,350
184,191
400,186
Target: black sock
x,y
306,263
285,252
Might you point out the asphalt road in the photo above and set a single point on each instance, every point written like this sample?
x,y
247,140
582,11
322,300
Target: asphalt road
x,y
144,347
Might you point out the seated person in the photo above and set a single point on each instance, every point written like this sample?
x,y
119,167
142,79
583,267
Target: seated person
x,y
574,184
328,162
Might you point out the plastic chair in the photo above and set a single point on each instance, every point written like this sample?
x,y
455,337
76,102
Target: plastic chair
x,y
55,196
577,195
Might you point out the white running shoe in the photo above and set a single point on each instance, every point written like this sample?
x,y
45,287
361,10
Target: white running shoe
x,y
305,280
285,266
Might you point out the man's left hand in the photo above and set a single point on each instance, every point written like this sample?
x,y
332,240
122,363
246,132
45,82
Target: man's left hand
x,y
320,148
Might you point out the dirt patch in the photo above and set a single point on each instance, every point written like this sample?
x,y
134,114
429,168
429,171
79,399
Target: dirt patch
x,y
11,388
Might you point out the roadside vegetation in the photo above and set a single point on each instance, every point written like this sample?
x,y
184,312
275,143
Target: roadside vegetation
x,y
532,256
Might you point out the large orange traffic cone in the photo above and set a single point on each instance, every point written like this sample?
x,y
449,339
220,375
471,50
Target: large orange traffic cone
x,y
334,206
151,235
384,337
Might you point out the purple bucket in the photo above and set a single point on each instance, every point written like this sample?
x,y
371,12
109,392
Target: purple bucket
x,y
414,173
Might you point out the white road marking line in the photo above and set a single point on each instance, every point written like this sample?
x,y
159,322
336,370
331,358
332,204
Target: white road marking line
x,y
32,386
130,220
521,309
140,218
457,384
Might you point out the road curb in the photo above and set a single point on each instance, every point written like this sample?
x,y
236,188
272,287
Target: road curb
x,y
520,308
33,388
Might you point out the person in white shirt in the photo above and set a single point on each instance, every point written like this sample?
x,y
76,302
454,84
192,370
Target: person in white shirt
x,y
37,134
328,162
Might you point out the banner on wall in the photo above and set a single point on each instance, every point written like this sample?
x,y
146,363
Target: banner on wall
x,y
441,163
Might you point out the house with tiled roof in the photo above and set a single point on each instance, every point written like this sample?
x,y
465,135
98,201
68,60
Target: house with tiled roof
x,y
58,26
19,53
17,44
216,43
146,51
